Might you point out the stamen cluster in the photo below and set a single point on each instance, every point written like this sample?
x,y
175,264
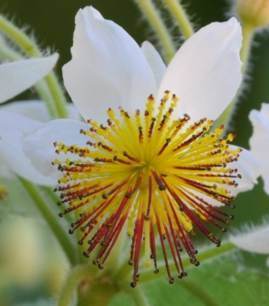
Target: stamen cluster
x,y
158,177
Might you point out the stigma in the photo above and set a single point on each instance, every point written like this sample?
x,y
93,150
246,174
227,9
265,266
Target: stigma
x,y
158,177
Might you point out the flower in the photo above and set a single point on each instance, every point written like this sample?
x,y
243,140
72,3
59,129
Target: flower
x,y
153,168
259,142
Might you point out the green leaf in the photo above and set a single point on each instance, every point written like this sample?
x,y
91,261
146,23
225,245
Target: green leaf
x,y
221,282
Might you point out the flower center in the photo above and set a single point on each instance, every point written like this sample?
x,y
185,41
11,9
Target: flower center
x,y
157,176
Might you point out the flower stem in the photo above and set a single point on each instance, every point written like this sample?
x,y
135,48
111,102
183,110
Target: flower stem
x,y
56,105
178,13
73,280
68,217
139,297
153,16
198,292
226,116
248,32
51,220
58,96
7,53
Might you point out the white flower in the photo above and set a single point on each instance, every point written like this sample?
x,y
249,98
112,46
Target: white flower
x,y
259,142
15,77
109,69
162,172
253,240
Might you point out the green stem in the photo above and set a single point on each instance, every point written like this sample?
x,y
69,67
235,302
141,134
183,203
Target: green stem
x,y
45,95
226,116
73,280
213,253
57,93
198,292
139,297
56,105
7,53
248,32
153,16
204,256
51,220
69,218
55,199
178,13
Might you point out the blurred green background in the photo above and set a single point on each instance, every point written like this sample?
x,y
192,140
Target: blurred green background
x,y
52,22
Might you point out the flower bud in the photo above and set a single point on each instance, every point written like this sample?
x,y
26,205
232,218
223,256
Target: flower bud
x,y
20,257
253,12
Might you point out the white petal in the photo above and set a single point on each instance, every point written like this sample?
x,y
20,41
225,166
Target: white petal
x,y
39,148
13,129
259,142
5,171
265,110
27,147
155,61
33,109
205,73
256,240
14,126
248,168
16,159
18,76
36,109
108,68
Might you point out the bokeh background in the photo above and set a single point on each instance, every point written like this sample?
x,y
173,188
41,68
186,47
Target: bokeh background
x,y
32,266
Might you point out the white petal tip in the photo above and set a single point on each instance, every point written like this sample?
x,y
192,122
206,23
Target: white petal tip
x,y
90,12
54,58
17,76
233,21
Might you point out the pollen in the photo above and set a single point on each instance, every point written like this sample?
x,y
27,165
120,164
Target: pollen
x,y
159,178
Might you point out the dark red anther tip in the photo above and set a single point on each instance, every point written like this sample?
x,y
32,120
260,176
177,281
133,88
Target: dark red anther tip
x,y
133,284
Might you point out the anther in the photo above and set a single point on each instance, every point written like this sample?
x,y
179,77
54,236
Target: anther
x,y
133,284
182,274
